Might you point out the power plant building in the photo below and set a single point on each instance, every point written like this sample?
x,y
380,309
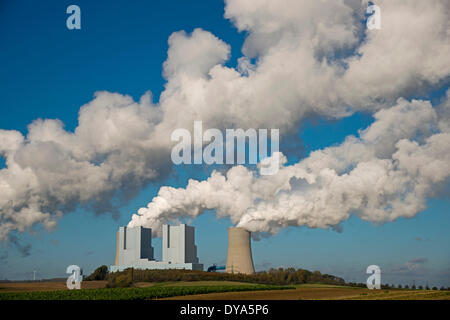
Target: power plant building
x,y
134,249
178,245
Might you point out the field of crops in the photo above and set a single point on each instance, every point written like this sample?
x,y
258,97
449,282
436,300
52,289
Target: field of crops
x,y
403,295
324,292
131,293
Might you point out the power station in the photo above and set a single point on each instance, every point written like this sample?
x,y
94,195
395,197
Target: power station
x,y
134,250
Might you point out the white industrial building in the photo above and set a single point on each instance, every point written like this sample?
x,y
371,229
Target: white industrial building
x,y
134,249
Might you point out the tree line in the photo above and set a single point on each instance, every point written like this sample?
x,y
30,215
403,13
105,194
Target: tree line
x,y
280,276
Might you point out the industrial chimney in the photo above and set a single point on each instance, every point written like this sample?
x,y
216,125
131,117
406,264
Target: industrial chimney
x,y
239,252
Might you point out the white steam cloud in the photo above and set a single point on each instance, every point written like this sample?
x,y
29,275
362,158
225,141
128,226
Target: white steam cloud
x,y
386,173
300,58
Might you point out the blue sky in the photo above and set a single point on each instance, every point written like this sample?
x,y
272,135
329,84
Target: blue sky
x,y
47,71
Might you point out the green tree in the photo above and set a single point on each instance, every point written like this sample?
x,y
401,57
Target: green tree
x,y
300,276
99,274
316,276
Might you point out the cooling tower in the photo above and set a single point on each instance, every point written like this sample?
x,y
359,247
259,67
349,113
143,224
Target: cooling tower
x,y
239,252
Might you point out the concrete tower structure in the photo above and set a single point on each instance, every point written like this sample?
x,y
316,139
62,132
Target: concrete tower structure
x,y
179,244
134,246
134,249
239,258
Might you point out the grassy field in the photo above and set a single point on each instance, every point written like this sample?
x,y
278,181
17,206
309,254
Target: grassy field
x,y
404,295
209,290
134,293
324,292
51,286
191,283
46,286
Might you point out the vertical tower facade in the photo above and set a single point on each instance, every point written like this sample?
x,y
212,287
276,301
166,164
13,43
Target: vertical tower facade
x,y
179,244
116,263
134,245
239,258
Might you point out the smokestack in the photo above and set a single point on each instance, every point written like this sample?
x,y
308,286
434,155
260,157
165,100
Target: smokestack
x,y
239,252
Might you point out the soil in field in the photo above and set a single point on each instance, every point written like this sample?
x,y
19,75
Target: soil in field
x,y
291,294
61,285
191,283
46,286
302,292
323,293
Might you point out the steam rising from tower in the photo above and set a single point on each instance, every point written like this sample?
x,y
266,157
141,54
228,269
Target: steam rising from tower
x,y
239,258
293,67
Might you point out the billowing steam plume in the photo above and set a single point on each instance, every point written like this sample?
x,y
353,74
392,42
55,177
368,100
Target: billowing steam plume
x,y
386,173
300,58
